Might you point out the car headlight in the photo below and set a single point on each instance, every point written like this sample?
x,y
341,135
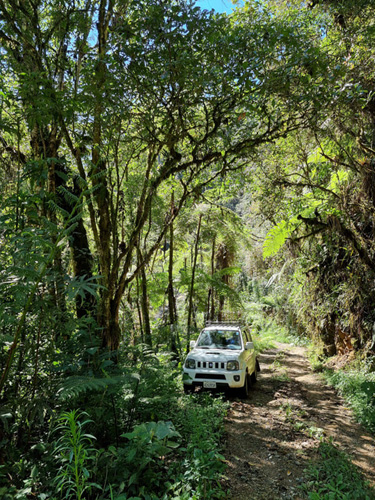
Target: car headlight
x,y
190,363
233,365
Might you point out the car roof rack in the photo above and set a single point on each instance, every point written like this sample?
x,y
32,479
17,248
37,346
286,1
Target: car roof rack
x,y
235,323
228,319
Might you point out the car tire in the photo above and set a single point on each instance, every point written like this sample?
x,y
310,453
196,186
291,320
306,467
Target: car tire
x,y
188,389
244,391
257,366
254,376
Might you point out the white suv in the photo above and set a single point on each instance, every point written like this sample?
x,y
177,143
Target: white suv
x,y
222,358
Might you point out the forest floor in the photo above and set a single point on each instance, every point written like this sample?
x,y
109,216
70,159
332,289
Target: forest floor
x,y
273,435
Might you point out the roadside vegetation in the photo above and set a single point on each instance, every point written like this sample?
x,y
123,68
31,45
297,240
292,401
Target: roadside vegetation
x,y
356,384
333,476
138,437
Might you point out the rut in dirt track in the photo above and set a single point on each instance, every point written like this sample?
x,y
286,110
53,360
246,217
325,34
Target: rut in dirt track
x,y
273,434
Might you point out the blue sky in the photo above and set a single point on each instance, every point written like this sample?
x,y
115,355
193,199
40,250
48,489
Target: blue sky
x,y
218,5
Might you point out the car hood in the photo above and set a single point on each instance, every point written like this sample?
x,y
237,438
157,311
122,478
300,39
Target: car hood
x,y
214,354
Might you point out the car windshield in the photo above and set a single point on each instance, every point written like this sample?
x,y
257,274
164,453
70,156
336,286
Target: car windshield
x,y
221,339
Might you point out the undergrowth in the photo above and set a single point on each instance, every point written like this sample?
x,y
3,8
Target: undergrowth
x,y
124,432
357,386
201,423
334,477
267,329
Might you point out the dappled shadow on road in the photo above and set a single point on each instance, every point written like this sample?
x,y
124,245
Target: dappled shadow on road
x,y
272,436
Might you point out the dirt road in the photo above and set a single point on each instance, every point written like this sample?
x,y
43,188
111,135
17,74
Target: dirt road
x,y
274,434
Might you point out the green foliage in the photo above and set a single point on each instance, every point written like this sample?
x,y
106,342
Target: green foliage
x,y
203,281
265,313
307,188
277,236
104,112
334,477
164,460
357,386
143,459
75,386
75,452
82,286
316,357
137,452
201,424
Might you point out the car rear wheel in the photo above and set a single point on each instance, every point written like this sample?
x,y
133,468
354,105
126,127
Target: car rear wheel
x,y
254,376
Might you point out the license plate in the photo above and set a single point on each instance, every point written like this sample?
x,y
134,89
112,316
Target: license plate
x,y
209,385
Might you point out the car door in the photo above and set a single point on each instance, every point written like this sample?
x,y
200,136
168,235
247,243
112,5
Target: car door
x,y
250,353
246,353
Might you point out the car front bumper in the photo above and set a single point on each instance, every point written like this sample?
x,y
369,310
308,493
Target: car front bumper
x,y
224,379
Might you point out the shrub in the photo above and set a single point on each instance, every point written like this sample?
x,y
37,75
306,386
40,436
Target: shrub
x,y
334,477
357,386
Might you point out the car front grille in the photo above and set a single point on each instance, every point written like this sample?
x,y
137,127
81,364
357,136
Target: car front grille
x,y
211,364
211,376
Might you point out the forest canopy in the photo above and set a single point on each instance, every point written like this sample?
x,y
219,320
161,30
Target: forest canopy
x,y
106,106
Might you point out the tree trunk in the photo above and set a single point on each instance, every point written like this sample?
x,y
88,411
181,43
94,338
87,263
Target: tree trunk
x,y
171,297
223,260
144,302
211,296
191,292
139,312
82,258
108,307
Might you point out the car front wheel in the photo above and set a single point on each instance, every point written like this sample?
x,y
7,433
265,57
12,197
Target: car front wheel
x,y
188,389
244,391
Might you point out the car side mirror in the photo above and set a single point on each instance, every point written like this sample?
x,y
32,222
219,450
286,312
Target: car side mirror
x,y
249,346
192,344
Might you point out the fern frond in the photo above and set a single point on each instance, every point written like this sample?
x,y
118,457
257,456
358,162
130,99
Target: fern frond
x,y
98,175
277,236
76,385
71,228
82,183
70,197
